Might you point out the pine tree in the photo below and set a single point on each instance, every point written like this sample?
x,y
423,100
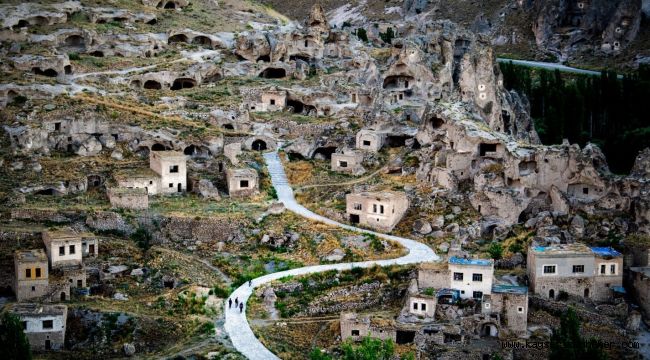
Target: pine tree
x,y
13,342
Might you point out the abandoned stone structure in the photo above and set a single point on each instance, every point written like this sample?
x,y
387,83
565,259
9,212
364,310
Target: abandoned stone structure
x,y
370,140
511,303
590,273
31,274
378,210
167,174
355,327
348,161
63,248
242,182
44,325
128,198
171,166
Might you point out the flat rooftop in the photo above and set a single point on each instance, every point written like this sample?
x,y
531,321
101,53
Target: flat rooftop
x,y
39,309
605,252
137,173
477,262
382,195
562,249
31,255
61,234
509,289
128,191
244,172
170,154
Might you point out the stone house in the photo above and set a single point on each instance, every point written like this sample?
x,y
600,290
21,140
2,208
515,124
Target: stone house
x,y
242,182
138,179
63,248
128,198
31,274
422,305
473,277
44,325
370,140
348,161
171,166
272,100
433,276
511,303
378,210
575,269
357,328
89,245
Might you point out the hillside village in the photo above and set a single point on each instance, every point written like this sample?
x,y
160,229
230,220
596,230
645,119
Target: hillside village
x,y
335,181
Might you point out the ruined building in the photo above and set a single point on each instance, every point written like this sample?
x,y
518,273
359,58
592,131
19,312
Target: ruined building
x,y
378,210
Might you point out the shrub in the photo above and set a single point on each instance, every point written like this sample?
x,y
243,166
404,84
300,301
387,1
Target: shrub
x,y
388,36
220,292
74,56
495,250
362,34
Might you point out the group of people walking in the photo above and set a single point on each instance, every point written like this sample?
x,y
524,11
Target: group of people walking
x,y
238,304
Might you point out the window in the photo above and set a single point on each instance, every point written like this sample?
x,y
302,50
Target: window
x,y
366,143
150,182
61,250
487,305
24,325
272,101
423,307
79,283
602,269
415,306
72,250
38,272
478,295
374,208
171,185
585,191
33,288
243,184
173,169
306,43
28,273
549,269
381,209
57,126
520,310
357,207
343,164
48,324
578,269
355,332
612,269
477,277
458,276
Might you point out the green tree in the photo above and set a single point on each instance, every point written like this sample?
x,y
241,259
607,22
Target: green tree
x,y
13,342
362,34
369,349
568,344
388,36
318,354
495,250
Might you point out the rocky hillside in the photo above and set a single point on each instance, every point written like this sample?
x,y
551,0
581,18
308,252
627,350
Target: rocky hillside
x,y
598,34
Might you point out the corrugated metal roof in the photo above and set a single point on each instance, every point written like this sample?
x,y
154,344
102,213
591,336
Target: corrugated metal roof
x,y
605,251
510,289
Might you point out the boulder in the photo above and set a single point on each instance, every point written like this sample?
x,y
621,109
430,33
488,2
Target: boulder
x,y
422,227
129,349
335,255
90,147
207,190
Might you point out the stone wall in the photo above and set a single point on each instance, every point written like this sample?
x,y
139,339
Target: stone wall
x,y
190,233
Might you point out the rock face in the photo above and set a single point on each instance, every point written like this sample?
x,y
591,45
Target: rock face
x,y
563,27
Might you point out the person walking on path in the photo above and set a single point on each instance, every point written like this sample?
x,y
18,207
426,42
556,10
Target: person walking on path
x,y
250,283
236,302
241,307
229,303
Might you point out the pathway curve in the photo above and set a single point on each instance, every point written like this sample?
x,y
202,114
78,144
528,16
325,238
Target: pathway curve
x,y
237,325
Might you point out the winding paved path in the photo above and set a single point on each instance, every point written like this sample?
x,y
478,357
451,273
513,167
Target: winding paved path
x,y
236,324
